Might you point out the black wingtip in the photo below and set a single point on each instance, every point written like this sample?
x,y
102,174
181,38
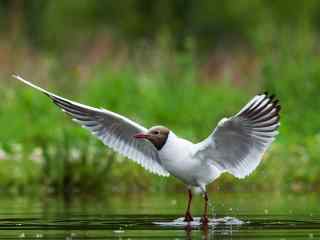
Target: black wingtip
x,y
275,102
278,107
272,97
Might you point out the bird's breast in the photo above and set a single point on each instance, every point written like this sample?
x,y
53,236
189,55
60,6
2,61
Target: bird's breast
x,y
177,157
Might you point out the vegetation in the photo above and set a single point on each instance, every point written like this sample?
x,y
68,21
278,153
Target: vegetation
x,y
187,83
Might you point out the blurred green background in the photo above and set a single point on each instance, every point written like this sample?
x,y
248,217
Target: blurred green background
x,y
180,63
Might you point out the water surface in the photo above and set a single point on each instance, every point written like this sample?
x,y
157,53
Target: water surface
x,y
158,216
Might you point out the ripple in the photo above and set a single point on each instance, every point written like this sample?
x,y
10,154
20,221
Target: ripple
x,y
157,226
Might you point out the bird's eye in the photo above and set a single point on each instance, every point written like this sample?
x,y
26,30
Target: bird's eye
x,y
157,132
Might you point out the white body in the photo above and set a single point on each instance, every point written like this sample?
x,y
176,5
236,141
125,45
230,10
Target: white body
x,y
177,157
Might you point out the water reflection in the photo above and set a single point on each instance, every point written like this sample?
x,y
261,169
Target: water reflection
x,y
124,217
204,229
206,232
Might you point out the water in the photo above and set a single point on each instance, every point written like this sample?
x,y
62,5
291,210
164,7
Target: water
x,y
158,216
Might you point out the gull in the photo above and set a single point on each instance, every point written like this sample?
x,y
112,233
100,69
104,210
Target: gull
x,y
235,146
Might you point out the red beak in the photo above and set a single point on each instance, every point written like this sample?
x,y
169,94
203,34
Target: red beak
x,y
141,136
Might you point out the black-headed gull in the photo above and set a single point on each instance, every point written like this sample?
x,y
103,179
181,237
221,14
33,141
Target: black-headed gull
x,y
235,146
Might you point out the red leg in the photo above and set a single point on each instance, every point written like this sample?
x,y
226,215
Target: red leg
x,y
188,217
204,219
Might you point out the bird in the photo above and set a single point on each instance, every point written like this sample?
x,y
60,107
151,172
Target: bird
x,y
235,146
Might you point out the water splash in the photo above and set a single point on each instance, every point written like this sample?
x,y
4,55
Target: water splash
x,y
227,221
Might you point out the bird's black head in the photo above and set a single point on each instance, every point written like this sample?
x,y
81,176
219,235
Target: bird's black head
x,y
157,135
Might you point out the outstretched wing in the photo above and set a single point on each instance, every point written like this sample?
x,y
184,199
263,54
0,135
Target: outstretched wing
x,y
238,143
112,129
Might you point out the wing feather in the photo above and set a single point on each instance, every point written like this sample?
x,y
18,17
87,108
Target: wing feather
x,y
112,129
238,143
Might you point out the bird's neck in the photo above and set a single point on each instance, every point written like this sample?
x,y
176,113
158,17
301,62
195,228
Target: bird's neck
x,y
171,141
